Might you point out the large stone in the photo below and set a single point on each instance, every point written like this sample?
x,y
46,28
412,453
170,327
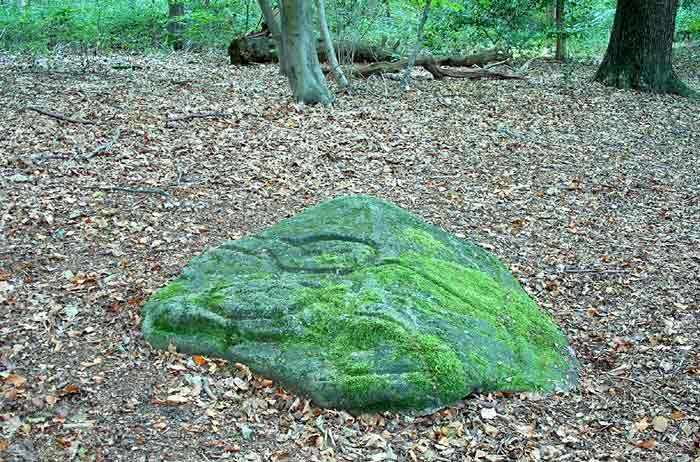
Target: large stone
x,y
360,305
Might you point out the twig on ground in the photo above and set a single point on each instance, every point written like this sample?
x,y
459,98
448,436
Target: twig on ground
x,y
499,63
593,270
648,387
59,116
104,147
121,67
132,190
196,116
88,424
179,173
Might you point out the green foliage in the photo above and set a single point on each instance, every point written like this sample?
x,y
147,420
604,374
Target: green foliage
x,y
122,24
454,26
688,21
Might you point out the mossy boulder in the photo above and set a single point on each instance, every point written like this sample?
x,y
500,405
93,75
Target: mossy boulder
x,y
360,305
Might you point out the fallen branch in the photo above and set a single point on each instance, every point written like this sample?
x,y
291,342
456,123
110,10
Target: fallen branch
x,y
105,147
60,116
121,67
196,116
430,65
592,270
132,190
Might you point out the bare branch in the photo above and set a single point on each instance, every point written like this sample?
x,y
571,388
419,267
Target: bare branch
x,y
59,116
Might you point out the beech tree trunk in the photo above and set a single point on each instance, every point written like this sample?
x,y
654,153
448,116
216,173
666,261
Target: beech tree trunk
x,y
560,54
303,69
419,44
328,44
639,54
176,9
274,27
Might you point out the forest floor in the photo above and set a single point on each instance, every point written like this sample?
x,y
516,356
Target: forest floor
x,y
590,195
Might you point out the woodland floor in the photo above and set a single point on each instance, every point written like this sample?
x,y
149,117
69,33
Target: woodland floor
x,y
590,195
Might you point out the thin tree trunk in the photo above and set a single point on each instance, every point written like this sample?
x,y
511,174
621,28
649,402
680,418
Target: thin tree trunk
x,y
560,54
299,50
639,54
419,44
328,44
176,9
274,27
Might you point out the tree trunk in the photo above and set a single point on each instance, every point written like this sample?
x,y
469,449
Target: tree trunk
x,y
328,43
299,52
274,27
560,54
419,44
639,54
176,9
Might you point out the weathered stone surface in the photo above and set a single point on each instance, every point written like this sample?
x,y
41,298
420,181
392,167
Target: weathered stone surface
x,y
360,305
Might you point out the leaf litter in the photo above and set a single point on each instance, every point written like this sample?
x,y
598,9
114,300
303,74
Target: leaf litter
x,y
589,194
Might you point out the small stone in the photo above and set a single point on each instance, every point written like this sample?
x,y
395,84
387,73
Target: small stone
x,y
660,424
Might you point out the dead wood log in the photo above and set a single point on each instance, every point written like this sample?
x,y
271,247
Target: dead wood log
x,y
431,65
480,59
260,47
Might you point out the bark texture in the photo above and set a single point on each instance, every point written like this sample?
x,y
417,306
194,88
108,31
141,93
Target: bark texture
x,y
560,54
419,44
273,27
328,45
639,54
176,10
260,47
303,69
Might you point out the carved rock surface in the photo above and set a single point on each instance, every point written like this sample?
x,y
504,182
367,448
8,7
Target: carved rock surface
x,y
360,305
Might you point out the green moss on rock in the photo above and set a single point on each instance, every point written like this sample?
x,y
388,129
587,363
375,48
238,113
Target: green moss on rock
x,y
360,305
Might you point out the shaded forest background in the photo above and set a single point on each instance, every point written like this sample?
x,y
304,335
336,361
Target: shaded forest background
x,y
523,26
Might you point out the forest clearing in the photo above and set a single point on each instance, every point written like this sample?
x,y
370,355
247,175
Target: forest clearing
x,y
162,209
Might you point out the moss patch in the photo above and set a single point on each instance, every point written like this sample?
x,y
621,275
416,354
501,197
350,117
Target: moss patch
x,y
362,306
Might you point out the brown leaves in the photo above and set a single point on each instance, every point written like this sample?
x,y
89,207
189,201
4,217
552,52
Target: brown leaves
x,y
13,385
548,177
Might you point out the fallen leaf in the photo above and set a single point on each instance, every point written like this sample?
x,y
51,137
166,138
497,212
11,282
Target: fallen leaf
x,y
642,425
677,415
177,399
71,389
647,444
491,430
200,360
16,380
240,384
